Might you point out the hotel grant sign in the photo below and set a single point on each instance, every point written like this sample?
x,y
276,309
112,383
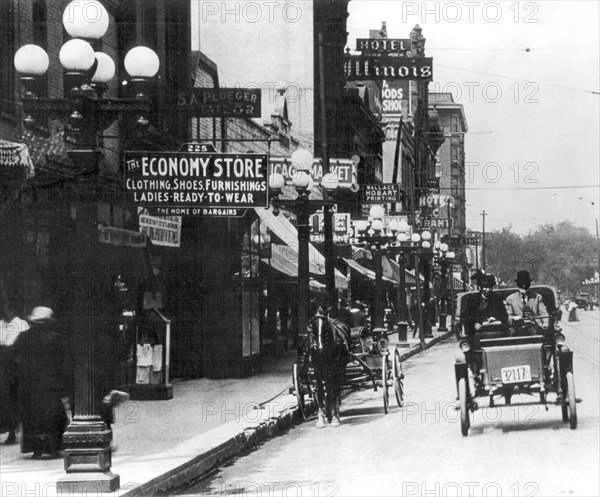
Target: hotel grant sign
x,y
187,182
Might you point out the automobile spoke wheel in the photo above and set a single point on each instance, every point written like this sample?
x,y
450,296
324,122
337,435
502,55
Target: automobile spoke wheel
x,y
385,373
464,408
299,392
572,401
398,378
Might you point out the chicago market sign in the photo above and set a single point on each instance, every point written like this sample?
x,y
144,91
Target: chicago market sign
x,y
195,180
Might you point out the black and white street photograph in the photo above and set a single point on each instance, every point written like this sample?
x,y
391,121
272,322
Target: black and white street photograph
x,y
299,248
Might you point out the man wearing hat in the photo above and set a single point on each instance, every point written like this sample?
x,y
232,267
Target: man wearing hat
x,y
486,311
524,304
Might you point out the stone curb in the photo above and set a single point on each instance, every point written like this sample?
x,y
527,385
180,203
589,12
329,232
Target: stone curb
x,y
238,444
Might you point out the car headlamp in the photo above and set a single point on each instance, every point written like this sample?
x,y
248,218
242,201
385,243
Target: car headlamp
x,y
464,345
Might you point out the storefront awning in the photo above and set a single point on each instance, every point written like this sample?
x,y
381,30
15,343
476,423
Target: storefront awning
x,y
286,232
280,261
365,271
391,270
15,156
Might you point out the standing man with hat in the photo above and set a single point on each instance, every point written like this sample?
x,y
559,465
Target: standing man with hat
x,y
525,304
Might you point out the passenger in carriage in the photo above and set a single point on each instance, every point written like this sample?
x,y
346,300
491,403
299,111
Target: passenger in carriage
x,y
523,306
488,311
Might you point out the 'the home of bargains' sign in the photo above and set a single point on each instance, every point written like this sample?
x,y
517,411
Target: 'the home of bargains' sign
x,y
196,180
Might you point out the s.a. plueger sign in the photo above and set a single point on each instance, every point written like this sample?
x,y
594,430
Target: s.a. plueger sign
x,y
220,102
196,180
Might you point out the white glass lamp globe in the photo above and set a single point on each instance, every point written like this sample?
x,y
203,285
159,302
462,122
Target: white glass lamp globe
x,y
86,19
301,180
377,224
31,60
437,245
141,62
450,255
416,238
402,237
361,225
276,181
302,159
377,212
403,225
426,244
444,247
426,235
105,71
77,55
394,225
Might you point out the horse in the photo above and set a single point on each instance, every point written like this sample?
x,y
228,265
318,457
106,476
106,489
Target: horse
x,y
329,354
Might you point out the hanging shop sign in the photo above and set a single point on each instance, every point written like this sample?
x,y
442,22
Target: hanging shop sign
x,y
389,47
342,171
381,193
220,102
196,180
121,237
361,68
164,230
394,96
433,223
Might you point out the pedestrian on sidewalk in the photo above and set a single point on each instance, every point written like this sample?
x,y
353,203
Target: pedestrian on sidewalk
x,y
11,326
41,385
414,317
572,311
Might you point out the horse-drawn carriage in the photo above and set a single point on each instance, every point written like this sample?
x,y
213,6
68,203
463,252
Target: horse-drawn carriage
x,y
501,361
336,357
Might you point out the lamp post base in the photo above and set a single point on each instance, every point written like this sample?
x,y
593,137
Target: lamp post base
x,y
402,331
86,483
442,324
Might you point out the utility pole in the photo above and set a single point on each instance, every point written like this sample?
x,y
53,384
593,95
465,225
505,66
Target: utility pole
x,y
328,248
483,214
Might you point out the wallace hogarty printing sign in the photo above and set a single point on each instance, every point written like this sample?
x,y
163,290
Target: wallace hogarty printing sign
x,y
191,181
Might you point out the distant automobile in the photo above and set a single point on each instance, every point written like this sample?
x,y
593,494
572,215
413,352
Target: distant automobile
x,y
582,301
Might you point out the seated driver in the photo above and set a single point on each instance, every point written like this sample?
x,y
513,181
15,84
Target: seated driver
x,y
523,306
486,312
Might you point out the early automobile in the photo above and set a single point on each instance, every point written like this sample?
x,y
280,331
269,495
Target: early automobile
x,y
498,363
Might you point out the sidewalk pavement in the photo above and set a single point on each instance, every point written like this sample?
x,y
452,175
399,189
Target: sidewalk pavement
x,y
163,444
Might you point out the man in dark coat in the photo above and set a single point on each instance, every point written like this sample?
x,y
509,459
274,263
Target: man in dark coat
x,y
41,382
486,311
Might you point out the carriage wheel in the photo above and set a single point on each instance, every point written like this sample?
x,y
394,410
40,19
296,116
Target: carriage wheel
x,y
398,377
571,400
300,393
385,374
464,409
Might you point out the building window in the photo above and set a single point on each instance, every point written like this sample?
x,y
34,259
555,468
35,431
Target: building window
x,y
7,71
39,24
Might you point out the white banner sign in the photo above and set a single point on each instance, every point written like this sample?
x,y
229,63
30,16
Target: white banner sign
x,y
164,230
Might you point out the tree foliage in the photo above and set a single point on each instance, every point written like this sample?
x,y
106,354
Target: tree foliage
x,y
561,255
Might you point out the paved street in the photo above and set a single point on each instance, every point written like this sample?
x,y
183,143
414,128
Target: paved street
x,y
419,450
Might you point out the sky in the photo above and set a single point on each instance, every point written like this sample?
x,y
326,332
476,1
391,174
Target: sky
x,y
533,120
526,72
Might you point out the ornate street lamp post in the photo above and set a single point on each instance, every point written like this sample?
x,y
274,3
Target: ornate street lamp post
x,y
302,160
86,114
444,259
